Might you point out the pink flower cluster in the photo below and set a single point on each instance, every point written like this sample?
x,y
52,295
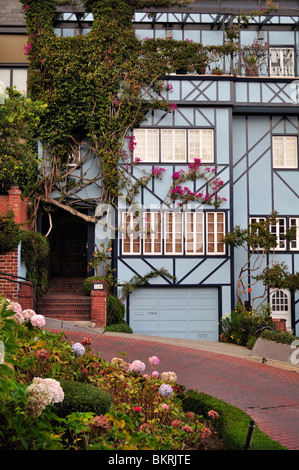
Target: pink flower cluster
x,y
43,392
99,423
158,172
27,48
27,315
137,366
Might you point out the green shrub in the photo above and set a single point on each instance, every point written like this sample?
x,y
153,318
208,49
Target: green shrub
x,y
115,310
232,425
10,233
82,397
119,328
240,326
278,336
35,254
87,283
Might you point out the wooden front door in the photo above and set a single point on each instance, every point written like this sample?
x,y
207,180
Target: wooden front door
x,y
68,241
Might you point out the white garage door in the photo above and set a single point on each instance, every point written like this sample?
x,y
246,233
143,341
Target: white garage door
x,y
189,313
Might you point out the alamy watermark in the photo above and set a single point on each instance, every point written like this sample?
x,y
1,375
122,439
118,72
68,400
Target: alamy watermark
x,y
2,353
295,354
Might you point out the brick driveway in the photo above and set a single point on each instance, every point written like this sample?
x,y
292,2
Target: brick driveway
x,y
270,395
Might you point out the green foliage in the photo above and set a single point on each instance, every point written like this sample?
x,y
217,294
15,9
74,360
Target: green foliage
x,y
87,283
35,254
119,328
140,281
19,120
278,336
115,310
10,234
232,425
82,397
240,326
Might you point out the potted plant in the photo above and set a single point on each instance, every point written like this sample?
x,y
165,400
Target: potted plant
x,y
253,57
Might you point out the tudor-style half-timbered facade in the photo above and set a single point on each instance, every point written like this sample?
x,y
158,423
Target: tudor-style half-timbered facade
x,y
244,129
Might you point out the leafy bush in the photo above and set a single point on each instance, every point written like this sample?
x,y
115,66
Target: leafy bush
x,y
82,397
240,326
232,424
87,283
35,254
10,233
119,328
115,310
278,336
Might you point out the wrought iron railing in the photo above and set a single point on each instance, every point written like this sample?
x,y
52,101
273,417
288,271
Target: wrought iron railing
x,y
23,280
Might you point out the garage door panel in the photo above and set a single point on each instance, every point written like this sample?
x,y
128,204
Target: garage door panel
x,y
173,303
172,315
201,315
175,312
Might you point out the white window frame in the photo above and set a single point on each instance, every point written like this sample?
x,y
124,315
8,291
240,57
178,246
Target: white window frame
x,y
177,235
193,236
294,244
134,236
170,148
147,145
155,145
152,221
206,155
275,148
215,233
280,64
281,308
277,229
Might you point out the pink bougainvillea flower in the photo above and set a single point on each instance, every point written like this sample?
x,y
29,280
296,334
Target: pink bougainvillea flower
x,y
137,409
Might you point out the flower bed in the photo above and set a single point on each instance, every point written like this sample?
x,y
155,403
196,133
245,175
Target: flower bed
x,y
58,395
142,405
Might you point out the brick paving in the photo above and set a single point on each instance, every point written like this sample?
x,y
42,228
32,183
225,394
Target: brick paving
x,y
268,394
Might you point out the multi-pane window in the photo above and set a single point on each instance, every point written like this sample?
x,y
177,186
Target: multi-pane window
x,y
152,236
279,229
279,301
201,144
294,224
131,234
282,62
14,76
194,233
174,145
215,232
147,148
285,152
173,233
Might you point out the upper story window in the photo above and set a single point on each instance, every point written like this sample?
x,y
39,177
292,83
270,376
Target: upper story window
x,y
174,145
282,63
14,76
285,151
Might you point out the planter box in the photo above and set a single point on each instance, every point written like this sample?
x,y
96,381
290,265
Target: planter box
x,y
276,351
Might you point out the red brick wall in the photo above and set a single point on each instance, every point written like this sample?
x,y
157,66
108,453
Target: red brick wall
x,y
9,261
98,306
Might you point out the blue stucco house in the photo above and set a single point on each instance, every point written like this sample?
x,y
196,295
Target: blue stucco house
x,y
244,129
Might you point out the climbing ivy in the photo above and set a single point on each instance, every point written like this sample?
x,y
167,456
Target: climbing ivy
x,y
97,88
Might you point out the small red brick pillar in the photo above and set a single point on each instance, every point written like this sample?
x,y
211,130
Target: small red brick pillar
x,y
98,303
279,324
